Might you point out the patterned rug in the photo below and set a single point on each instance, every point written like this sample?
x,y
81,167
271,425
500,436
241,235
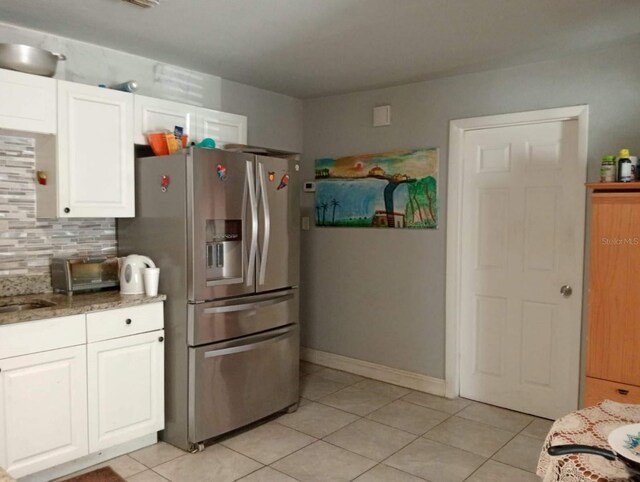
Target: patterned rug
x,y
105,474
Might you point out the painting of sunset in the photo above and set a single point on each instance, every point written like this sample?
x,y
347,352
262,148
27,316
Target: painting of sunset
x,y
395,189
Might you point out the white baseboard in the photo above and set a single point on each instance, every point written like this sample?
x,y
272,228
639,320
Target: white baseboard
x,y
403,378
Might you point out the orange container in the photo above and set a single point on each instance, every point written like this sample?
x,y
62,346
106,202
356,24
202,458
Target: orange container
x,y
159,144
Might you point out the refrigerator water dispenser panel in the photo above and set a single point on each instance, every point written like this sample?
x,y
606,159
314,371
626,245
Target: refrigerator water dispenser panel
x,y
224,251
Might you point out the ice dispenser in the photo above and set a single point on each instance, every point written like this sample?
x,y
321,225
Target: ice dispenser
x,y
224,251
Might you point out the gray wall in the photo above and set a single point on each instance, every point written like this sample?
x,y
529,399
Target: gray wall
x,y
379,295
274,120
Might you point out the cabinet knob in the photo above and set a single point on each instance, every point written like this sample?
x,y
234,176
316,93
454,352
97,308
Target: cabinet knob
x,y
67,210
566,291
128,321
622,391
161,339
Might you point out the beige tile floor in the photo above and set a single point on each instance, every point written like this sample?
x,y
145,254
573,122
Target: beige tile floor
x,y
352,428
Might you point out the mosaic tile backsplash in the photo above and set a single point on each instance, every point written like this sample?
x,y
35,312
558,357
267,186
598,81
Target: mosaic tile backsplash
x,y
27,243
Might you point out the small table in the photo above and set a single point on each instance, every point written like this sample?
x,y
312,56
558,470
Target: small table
x,y
589,426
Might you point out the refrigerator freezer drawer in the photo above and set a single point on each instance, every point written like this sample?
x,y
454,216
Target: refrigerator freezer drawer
x,y
234,383
222,320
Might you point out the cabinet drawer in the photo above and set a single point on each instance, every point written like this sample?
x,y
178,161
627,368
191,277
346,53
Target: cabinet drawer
x,y
41,335
104,325
597,390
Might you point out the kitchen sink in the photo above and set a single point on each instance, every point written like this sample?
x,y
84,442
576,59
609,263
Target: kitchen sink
x,y
32,305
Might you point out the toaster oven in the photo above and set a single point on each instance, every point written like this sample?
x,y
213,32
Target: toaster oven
x,y
74,274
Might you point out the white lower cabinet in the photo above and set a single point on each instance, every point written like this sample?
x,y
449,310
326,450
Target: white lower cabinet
x,y
62,398
43,409
126,391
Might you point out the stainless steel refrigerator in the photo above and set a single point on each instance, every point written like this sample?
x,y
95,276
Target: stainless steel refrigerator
x,y
224,229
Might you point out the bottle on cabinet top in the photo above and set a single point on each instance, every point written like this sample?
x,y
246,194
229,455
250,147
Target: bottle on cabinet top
x,y
626,169
608,169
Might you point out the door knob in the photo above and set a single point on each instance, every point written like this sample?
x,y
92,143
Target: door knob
x,y
566,290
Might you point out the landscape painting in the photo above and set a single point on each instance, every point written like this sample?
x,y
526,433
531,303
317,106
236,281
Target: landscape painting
x,y
395,189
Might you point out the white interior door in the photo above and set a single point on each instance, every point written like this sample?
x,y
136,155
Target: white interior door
x,y
522,232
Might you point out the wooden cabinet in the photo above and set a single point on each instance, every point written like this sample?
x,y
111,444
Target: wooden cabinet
x,y
60,402
613,338
93,174
27,102
125,358
43,394
157,115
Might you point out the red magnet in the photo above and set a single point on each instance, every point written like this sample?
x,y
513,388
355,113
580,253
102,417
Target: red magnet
x,y
165,183
283,182
42,177
222,171
272,176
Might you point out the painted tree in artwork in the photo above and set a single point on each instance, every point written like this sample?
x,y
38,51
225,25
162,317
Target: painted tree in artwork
x,y
421,209
335,204
324,207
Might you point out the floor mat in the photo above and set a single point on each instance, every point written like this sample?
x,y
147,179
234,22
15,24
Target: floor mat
x,y
105,474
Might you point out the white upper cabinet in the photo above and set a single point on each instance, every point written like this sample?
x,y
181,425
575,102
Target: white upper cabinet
x,y
157,115
95,170
27,102
222,127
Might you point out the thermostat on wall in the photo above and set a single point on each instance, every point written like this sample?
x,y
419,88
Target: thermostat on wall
x,y
309,186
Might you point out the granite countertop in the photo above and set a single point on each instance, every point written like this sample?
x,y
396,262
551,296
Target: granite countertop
x,y
65,305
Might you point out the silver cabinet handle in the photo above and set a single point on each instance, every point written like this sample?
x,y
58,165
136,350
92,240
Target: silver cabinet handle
x,y
251,346
566,290
254,224
264,255
247,306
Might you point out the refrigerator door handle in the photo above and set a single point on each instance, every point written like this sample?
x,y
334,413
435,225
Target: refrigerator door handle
x,y
247,306
264,255
253,204
271,338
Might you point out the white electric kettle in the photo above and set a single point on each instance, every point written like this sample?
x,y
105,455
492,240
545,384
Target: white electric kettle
x,y
131,282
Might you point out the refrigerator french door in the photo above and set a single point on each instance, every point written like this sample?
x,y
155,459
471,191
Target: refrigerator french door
x,y
224,229
244,228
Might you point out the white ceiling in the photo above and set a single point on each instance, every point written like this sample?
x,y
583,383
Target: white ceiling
x,y
309,48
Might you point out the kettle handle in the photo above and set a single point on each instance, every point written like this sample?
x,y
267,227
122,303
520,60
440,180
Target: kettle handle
x,y
148,261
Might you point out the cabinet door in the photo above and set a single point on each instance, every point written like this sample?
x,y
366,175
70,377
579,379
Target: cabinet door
x,y
614,313
157,115
126,388
95,152
222,127
43,410
27,102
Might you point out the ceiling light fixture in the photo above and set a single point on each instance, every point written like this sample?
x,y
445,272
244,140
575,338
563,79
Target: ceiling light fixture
x,y
144,3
